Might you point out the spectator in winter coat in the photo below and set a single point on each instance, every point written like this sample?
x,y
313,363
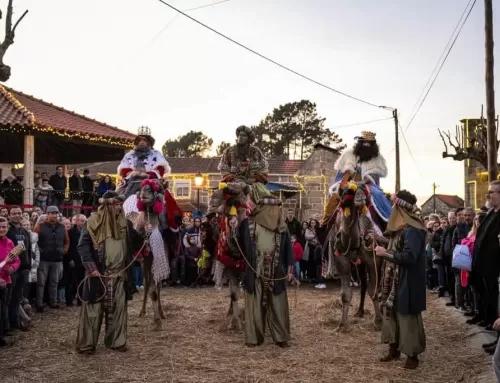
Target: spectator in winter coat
x,y
293,224
192,254
446,251
59,182
30,291
6,245
465,219
19,236
194,232
53,241
298,252
73,270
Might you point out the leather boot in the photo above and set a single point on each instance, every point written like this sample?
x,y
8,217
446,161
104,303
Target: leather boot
x,y
393,354
411,363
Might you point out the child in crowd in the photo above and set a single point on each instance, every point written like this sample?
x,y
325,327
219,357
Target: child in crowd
x,y
298,252
192,254
42,194
30,292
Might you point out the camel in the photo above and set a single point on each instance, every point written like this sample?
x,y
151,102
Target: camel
x,y
146,210
351,238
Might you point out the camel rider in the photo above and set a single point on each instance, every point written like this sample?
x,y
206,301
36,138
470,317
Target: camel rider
x,y
143,160
244,162
363,162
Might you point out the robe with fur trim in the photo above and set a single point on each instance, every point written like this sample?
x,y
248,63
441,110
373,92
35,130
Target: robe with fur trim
x,y
155,164
374,169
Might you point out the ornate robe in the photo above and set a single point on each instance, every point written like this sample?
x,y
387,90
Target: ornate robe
x,y
153,162
253,168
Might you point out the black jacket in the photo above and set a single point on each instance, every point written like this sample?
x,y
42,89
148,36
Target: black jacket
x,y
91,259
461,232
76,187
59,184
74,238
12,192
446,249
410,255
21,235
485,258
294,227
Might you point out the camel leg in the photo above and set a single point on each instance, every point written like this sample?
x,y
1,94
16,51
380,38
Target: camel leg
x,y
344,268
160,307
372,288
146,272
234,308
155,288
363,279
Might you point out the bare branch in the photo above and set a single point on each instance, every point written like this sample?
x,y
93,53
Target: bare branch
x,y
18,21
8,21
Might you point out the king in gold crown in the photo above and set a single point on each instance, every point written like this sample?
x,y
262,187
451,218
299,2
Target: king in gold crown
x,y
144,131
368,136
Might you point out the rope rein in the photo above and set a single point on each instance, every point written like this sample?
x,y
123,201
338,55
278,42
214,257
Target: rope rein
x,y
116,274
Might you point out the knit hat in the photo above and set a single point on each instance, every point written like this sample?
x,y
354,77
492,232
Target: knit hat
x,y
52,209
111,197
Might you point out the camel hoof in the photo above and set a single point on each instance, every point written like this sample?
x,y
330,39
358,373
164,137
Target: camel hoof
x,y
162,315
157,325
360,314
142,314
377,325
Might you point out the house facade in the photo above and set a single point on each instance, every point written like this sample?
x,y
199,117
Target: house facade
x,y
441,204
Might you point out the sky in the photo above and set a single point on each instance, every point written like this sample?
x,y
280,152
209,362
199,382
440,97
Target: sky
x,y
107,60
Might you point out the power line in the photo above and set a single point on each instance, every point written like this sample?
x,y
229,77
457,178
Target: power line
x,y
362,123
440,58
409,150
270,60
186,10
442,63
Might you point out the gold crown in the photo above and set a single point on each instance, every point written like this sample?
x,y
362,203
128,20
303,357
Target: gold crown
x,y
368,136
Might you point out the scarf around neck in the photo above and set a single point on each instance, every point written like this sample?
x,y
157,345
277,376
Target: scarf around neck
x,y
400,218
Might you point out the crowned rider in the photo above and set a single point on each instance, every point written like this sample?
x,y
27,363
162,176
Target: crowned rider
x,y
143,160
141,163
363,162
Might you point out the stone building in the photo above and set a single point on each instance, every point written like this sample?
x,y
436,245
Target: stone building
x,y
443,204
301,184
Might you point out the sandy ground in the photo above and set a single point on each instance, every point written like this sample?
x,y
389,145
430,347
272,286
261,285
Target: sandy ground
x,y
194,346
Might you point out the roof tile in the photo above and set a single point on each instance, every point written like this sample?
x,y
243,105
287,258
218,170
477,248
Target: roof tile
x,y
19,109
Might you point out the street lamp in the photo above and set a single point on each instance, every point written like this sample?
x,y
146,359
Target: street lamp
x,y
198,181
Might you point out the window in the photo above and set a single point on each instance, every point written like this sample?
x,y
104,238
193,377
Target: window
x,y
182,188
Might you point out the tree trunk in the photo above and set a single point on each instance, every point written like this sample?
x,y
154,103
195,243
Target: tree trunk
x,y
490,91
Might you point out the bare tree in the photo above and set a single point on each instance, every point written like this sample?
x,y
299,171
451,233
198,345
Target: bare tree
x,y
10,31
470,145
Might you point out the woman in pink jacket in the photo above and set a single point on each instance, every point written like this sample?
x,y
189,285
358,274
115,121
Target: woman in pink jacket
x,y
6,245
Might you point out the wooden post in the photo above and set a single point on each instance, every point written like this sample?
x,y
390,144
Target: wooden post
x,y
490,92
398,169
434,186
29,169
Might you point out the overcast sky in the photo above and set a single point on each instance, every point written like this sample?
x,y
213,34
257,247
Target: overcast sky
x,y
105,59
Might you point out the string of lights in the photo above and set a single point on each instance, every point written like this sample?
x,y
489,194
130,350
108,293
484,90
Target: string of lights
x,y
362,123
271,60
31,125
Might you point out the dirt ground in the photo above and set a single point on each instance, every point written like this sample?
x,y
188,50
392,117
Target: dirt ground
x,y
194,346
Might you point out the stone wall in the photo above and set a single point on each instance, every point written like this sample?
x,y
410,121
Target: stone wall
x,y
441,208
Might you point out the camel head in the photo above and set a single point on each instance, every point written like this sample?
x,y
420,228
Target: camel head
x,y
150,196
354,202
230,200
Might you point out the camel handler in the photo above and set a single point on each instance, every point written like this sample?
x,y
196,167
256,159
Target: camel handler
x,y
402,292
107,246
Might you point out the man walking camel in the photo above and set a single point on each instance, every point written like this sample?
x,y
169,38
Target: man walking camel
x,y
402,291
107,246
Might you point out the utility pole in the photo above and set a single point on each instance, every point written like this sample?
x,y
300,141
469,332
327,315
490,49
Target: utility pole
x,y
490,92
398,169
434,187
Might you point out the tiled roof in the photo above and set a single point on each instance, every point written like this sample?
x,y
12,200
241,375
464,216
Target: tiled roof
x,y
452,201
184,166
25,111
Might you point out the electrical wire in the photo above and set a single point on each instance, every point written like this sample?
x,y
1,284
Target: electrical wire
x,y
448,51
271,60
178,14
362,123
409,150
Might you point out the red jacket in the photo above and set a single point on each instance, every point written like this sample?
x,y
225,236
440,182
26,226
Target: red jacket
x,y
6,245
298,252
